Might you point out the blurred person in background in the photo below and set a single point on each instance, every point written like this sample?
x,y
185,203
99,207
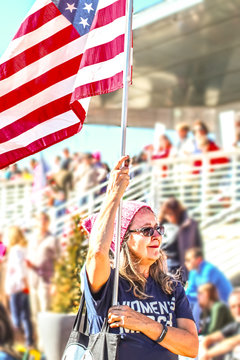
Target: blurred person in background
x,y
56,166
67,160
26,175
214,313
39,181
182,233
6,173
43,250
86,178
75,160
64,177
6,337
102,173
11,172
202,272
164,148
16,285
62,173
185,145
56,197
227,340
15,172
204,145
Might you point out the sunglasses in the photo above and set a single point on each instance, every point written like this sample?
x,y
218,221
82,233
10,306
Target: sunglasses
x,y
149,230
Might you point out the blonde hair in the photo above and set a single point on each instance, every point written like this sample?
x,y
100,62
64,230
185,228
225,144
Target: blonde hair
x,y
16,236
182,126
158,271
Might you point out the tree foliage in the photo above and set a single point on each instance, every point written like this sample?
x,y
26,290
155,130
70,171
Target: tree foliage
x,y
66,281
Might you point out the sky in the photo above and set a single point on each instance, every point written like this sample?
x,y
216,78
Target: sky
x,y
105,139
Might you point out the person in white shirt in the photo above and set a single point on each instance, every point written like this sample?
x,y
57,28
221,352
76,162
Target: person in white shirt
x,y
16,283
185,144
43,250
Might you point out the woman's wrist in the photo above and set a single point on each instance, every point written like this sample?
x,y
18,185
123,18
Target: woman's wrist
x,y
151,328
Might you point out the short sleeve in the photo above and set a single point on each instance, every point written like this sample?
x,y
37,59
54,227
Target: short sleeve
x,y
99,303
183,309
230,330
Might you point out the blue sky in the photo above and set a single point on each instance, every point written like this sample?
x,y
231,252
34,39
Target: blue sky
x,y
18,10
92,137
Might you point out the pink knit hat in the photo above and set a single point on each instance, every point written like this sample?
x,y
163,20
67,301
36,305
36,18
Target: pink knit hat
x,y
129,210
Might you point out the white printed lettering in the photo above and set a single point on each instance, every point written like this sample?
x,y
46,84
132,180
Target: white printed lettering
x,y
169,322
137,308
146,308
154,307
172,307
163,307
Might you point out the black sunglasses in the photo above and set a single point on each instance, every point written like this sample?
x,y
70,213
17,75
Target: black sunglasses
x,y
149,230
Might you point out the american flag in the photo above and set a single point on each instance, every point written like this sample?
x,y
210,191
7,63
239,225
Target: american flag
x,y
64,52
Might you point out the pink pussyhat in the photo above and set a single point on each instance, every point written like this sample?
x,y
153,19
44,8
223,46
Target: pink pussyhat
x,y
129,210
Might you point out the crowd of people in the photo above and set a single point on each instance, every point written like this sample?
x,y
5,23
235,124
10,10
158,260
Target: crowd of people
x,y
190,141
81,172
27,269
28,261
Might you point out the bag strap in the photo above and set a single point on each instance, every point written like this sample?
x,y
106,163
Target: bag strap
x,y
81,321
105,326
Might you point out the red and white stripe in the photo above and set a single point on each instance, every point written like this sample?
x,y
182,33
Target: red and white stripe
x,y
49,73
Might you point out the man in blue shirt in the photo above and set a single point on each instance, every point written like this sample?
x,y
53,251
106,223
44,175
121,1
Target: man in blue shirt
x,y
202,272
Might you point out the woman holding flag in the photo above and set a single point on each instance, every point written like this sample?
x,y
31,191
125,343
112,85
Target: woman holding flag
x,y
153,315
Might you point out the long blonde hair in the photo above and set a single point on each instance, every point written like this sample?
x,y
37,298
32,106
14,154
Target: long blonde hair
x,y
158,271
16,237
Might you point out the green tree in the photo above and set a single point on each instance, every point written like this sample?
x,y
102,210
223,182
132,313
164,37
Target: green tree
x,y
66,281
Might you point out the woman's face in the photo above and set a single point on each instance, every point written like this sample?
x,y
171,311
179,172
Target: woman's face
x,y
203,298
145,248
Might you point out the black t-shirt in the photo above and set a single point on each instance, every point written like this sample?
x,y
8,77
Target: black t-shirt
x,y
159,307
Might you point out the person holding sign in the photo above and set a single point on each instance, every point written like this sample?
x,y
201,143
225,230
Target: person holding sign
x,y
153,316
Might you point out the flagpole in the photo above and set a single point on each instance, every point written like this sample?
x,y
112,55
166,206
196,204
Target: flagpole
x,y
126,77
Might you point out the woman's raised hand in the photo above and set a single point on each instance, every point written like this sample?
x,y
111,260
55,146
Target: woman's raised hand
x,y
119,179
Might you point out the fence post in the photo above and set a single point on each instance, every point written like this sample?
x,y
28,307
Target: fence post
x,y
234,179
154,191
204,187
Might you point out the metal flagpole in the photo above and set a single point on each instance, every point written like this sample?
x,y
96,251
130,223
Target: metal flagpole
x,y
126,74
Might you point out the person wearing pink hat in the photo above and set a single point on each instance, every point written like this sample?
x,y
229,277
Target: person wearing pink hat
x,y
153,316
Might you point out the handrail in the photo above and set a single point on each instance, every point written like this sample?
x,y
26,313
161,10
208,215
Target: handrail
x,y
205,190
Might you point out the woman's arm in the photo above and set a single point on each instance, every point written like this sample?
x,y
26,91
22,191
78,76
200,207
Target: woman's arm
x,y
182,340
97,264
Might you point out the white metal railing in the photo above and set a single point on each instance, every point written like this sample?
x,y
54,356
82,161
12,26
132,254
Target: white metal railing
x,y
208,191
